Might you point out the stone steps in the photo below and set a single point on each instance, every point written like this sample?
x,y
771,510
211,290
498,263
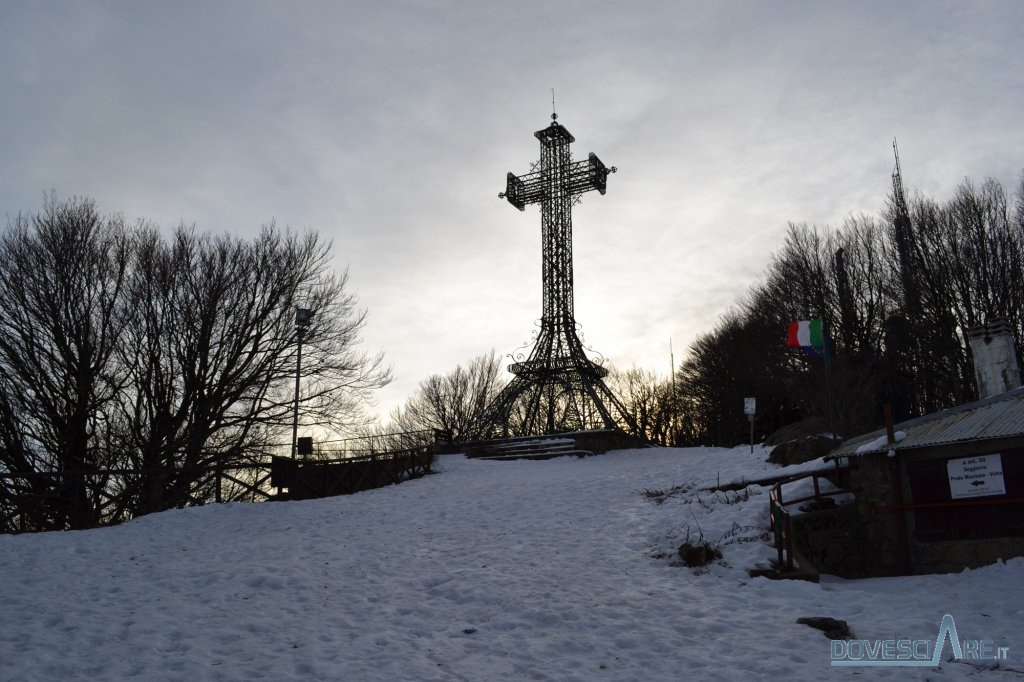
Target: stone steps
x,y
529,448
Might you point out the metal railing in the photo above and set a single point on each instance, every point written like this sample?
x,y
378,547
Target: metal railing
x,y
779,516
361,446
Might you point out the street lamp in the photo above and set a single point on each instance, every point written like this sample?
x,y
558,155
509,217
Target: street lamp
x,y
302,317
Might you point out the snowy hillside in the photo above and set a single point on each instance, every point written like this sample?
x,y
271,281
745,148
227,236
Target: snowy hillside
x,y
486,571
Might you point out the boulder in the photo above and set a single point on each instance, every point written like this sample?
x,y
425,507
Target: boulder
x,y
801,450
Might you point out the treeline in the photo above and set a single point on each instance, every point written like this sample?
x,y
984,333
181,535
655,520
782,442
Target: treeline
x,y
897,294
453,404
124,350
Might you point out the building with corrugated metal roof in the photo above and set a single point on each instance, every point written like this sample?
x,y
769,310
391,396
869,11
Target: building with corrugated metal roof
x,y
985,423
938,493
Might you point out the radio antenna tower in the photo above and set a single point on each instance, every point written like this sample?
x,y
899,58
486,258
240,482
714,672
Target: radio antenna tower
x,y
904,233
556,388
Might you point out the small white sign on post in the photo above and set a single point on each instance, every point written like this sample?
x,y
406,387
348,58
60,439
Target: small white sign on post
x,y
749,409
976,476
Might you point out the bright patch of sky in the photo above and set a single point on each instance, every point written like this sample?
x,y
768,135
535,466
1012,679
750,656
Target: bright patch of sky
x,y
389,128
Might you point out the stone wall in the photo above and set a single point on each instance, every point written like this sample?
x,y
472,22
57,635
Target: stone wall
x,y
830,540
836,541
954,556
606,440
873,478
861,539
873,537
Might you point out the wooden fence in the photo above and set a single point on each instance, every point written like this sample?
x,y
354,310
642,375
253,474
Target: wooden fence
x,y
326,478
28,498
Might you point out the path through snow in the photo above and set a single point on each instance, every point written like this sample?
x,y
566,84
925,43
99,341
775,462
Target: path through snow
x,y
486,571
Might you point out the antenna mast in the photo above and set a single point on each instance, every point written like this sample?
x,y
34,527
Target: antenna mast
x,y
897,182
672,359
904,233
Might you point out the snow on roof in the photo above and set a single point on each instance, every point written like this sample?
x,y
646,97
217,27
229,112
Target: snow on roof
x,y
880,442
1000,416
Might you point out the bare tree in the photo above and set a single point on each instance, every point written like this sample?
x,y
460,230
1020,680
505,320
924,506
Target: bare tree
x,y
648,400
896,311
62,314
166,358
213,357
454,403
967,259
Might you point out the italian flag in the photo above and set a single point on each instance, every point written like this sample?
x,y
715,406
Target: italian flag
x,y
806,333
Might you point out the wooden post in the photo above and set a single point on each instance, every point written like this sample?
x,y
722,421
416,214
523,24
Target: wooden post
x,y
890,434
897,486
788,535
831,408
750,409
777,519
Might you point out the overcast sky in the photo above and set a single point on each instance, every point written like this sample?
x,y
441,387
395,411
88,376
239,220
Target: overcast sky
x,y
389,127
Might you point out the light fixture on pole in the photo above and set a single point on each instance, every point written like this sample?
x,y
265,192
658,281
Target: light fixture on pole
x,y
302,318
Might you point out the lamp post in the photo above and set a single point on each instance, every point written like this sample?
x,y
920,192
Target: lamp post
x,y
302,317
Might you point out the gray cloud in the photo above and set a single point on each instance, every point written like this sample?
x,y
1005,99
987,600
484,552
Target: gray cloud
x,y
389,127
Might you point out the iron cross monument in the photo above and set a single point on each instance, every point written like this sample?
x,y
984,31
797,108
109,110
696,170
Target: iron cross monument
x,y
556,388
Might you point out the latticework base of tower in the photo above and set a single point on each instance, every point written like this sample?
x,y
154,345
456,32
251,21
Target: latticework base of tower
x,y
556,400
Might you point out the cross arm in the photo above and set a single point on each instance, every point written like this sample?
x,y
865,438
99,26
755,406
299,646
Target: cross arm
x,y
515,191
580,177
588,175
596,174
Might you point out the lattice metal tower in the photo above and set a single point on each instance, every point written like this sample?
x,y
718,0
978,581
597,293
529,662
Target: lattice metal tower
x,y
556,387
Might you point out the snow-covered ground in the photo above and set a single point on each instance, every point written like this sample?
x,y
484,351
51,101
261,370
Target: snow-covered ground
x,y
485,571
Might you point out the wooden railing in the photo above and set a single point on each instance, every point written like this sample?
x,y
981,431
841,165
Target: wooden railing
x,y
329,477
31,501
25,502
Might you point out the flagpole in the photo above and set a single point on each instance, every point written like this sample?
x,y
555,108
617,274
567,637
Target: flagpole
x,y
828,383
807,334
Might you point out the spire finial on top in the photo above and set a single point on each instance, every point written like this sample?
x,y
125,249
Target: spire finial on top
x,y
554,114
